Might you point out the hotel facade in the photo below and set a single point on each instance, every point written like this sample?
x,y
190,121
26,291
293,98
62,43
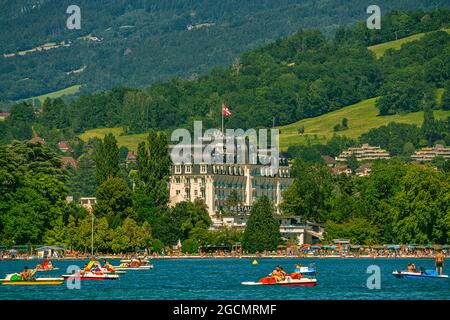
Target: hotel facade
x,y
235,169
215,184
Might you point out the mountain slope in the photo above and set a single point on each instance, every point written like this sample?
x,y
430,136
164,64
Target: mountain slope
x,y
141,42
381,48
361,117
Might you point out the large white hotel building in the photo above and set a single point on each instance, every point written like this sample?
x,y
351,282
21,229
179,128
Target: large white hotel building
x,y
215,182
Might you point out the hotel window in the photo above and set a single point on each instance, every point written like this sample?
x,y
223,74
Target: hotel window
x,y
188,169
203,168
177,192
177,180
178,169
203,193
196,193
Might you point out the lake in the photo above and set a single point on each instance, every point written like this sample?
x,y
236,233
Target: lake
x,y
338,278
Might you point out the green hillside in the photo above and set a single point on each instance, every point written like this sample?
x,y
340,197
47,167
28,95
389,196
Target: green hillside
x,y
381,48
129,141
135,43
56,94
361,117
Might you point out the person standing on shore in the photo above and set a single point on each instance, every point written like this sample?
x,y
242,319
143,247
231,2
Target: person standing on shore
x,y
440,257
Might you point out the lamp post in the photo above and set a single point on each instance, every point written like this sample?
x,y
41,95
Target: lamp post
x,y
92,234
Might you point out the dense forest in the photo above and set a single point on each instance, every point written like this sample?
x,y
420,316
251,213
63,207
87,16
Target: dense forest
x,y
33,207
136,43
296,77
396,203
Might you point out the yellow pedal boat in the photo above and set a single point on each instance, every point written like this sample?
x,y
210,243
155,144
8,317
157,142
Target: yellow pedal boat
x,y
14,280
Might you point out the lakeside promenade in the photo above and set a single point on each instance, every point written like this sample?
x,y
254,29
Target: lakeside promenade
x,y
394,255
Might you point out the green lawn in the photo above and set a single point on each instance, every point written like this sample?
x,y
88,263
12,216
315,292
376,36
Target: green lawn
x,y
130,141
362,117
56,94
381,48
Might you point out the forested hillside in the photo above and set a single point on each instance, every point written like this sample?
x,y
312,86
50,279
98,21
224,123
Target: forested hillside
x,y
136,43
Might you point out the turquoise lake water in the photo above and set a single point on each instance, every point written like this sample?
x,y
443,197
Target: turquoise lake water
x,y
221,278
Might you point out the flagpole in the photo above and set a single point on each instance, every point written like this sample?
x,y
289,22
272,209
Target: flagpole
x,y
221,111
92,234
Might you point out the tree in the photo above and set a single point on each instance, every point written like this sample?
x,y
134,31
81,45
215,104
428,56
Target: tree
x,y
189,246
106,159
357,230
21,120
352,162
262,232
421,208
393,137
431,127
310,193
153,169
446,97
82,181
114,201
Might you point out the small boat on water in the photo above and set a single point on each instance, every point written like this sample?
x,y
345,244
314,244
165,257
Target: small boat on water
x,y
87,275
303,276
47,270
45,266
134,264
305,282
16,279
423,274
107,268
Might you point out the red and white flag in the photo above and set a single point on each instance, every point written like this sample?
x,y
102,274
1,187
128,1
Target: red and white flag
x,y
225,111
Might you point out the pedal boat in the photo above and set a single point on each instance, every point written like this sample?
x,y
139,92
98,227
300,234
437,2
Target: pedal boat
x,y
91,276
14,279
425,274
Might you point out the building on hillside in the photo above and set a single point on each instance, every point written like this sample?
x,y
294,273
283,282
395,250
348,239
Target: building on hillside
x,y
64,146
329,161
88,203
364,170
364,153
131,158
428,154
342,169
37,140
215,182
69,161
4,115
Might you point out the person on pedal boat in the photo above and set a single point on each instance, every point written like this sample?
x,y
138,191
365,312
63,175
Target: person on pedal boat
x,y
47,265
278,274
410,267
440,257
27,274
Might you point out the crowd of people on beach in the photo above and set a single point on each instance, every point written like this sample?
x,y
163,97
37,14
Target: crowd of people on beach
x,y
301,252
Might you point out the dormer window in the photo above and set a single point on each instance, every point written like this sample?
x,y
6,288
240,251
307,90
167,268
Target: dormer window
x,y
188,169
177,169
